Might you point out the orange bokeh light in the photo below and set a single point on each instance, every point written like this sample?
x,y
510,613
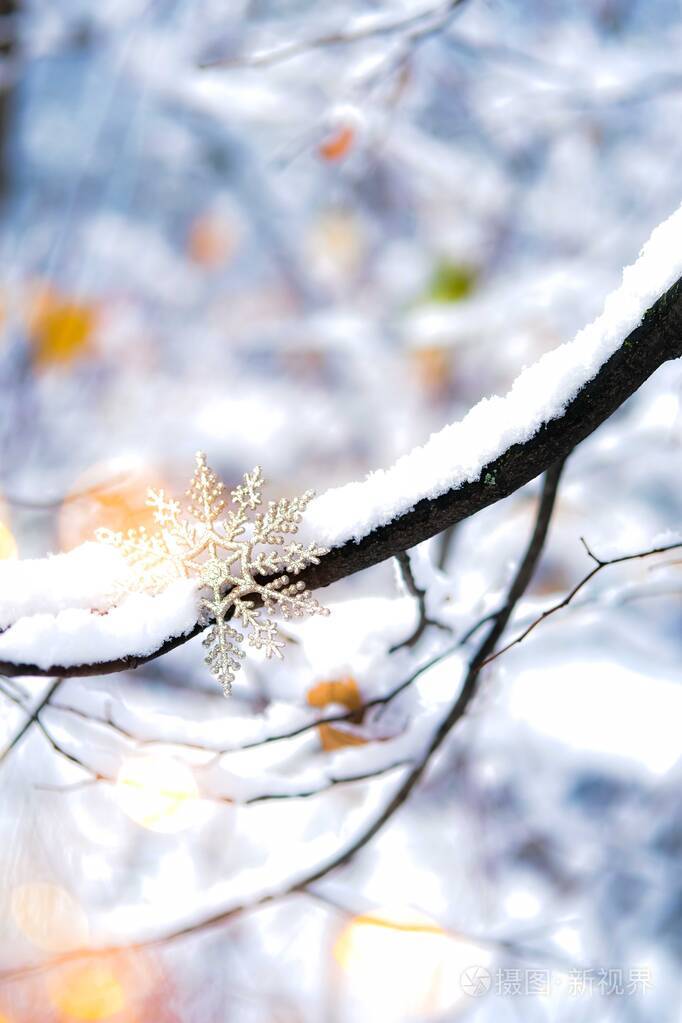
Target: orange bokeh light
x,y
88,992
110,495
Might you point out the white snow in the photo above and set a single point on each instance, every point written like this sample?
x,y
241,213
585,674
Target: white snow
x,y
137,626
53,602
458,453
86,577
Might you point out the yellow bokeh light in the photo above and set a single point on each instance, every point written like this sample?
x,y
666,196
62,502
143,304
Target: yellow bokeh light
x,y
49,917
159,793
8,545
398,964
88,992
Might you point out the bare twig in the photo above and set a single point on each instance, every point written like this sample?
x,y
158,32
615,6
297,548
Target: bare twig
x,y
428,21
12,693
31,719
71,757
326,783
599,565
419,595
313,724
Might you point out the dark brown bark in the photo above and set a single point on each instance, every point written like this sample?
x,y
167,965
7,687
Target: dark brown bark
x,y
657,340
9,10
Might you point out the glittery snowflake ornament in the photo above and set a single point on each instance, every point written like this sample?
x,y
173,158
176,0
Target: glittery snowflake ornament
x,y
239,556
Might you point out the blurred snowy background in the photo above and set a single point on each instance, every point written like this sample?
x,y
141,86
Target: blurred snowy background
x,y
307,235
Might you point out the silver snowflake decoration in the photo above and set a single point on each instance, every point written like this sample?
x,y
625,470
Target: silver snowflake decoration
x,y
240,556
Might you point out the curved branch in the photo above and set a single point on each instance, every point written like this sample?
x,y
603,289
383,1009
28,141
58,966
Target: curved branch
x,y
458,708
654,342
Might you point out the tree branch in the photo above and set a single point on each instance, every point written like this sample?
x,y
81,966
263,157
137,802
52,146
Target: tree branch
x,y
516,589
654,342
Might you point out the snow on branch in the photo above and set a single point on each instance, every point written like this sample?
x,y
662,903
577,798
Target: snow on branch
x,y
460,452
139,625
503,443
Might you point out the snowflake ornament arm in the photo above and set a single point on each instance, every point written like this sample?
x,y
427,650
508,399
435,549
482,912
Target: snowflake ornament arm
x,y
217,546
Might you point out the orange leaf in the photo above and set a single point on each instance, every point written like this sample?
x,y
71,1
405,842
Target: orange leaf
x,y
338,144
332,738
341,690
344,691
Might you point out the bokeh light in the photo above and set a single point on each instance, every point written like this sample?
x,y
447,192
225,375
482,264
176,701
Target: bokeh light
x,y
89,991
110,495
8,544
399,964
159,793
49,916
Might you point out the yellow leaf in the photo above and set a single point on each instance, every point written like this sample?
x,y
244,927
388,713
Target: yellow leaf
x,y
60,329
343,691
332,738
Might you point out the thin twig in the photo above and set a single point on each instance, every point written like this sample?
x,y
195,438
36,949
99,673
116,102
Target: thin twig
x,y
293,733
12,696
599,565
423,22
419,595
326,785
31,719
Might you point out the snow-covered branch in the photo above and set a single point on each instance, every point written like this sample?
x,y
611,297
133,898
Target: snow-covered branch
x,y
431,735
502,444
